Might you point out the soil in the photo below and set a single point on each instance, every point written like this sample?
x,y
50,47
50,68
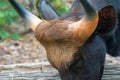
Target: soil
x,y
24,50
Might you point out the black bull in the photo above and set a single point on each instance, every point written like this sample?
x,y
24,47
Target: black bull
x,y
109,23
74,62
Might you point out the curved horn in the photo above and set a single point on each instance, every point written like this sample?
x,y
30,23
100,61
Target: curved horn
x,y
85,27
47,11
31,19
75,12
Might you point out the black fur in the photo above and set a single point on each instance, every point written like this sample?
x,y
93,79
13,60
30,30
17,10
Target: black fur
x,y
88,63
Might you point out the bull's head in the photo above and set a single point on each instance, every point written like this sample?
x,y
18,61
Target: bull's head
x,y
60,37
63,38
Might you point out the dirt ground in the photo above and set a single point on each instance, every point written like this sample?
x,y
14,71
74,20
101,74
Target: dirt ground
x,y
25,50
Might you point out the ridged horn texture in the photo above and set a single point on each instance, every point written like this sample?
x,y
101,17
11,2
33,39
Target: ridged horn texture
x,y
85,27
47,11
30,18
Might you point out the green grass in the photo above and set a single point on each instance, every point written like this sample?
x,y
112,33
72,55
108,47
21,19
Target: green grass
x,y
7,16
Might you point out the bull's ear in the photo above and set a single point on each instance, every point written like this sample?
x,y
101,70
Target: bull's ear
x,y
47,11
107,19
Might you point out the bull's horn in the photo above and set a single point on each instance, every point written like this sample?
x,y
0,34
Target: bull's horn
x,y
85,27
47,11
31,19
75,13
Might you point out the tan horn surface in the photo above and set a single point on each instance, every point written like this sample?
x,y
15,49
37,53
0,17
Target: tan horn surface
x,y
83,29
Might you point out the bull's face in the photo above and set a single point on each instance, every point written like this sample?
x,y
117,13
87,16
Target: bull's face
x,y
61,37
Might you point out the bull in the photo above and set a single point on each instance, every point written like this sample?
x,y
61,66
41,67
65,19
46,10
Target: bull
x,y
73,47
